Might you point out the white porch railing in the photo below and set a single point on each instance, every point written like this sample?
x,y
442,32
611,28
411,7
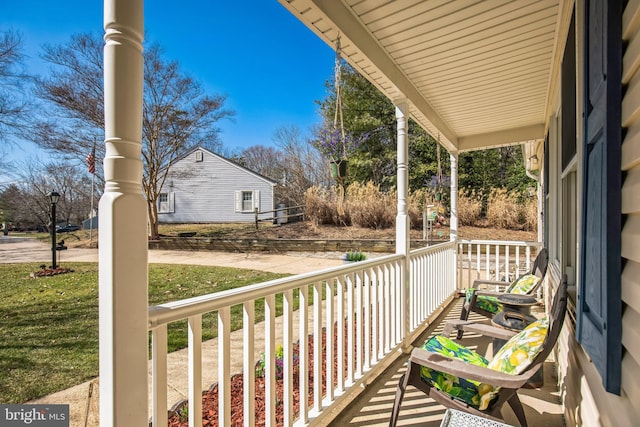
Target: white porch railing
x,y
494,260
367,307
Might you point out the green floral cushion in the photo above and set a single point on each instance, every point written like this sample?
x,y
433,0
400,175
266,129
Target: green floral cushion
x,y
470,392
523,284
485,302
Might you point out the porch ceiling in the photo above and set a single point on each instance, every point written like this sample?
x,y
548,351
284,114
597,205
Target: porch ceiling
x,y
475,73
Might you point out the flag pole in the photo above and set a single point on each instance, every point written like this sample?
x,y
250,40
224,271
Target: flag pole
x,y
93,180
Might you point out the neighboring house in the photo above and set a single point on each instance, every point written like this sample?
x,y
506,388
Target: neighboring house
x,y
204,187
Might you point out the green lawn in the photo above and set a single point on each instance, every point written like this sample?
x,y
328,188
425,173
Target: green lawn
x,y
49,325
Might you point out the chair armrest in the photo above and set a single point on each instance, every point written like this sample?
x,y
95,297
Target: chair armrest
x,y
462,369
478,328
478,282
487,293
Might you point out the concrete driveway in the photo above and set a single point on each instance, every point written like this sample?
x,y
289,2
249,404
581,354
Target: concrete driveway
x,y
23,249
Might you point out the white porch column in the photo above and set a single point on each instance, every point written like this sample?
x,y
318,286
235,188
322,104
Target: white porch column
x,y
123,224
402,218
453,222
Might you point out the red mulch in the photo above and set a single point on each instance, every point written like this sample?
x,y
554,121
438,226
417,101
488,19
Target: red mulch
x,y
210,397
50,272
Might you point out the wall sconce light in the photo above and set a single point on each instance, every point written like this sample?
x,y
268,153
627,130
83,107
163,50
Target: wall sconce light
x,y
533,162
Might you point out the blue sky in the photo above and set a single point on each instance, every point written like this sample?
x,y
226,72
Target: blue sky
x,y
270,67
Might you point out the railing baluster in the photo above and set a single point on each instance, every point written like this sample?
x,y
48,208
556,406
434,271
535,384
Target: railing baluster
x,y
249,363
303,354
487,255
375,335
224,364
507,261
350,331
195,370
359,323
497,264
366,288
159,376
340,335
317,346
329,341
287,360
269,357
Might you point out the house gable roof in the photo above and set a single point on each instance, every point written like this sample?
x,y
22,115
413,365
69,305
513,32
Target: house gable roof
x,y
228,161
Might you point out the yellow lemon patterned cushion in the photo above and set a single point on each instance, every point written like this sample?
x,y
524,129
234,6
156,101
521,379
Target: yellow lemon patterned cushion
x,y
523,284
520,350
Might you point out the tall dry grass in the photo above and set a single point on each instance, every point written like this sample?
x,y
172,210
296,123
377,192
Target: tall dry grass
x,y
469,207
511,210
365,205
368,207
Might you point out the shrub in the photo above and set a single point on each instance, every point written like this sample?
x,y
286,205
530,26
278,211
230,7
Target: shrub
x,y
355,256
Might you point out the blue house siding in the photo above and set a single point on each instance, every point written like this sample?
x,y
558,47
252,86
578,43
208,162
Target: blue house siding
x,y
204,187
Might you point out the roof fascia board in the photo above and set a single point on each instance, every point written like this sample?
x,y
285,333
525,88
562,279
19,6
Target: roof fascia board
x,y
502,138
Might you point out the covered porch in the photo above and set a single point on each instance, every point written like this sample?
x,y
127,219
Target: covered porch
x,y
477,75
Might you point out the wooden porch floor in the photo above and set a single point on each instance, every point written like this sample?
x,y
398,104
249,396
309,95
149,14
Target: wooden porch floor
x,y
373,406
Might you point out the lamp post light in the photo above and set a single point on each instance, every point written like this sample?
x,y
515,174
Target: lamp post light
x,y
53,197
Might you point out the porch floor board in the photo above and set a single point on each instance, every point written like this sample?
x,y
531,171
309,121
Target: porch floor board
x,y
373,406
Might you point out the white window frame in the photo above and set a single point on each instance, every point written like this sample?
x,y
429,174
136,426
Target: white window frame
x,y
240,200
167,205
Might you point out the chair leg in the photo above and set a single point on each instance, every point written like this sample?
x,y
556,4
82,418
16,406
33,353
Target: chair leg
x,y
402,386
516,406
464,314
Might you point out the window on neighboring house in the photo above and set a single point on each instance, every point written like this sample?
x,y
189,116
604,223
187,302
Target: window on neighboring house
x,y
247,200
199,156
166,202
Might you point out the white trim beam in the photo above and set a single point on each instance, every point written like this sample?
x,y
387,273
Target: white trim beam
x,y
502,138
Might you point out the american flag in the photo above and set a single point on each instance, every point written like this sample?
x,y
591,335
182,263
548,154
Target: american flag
x,y
91,162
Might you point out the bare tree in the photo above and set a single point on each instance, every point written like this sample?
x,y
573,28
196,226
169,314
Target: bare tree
x,y
177,113
266,161
13,104
27,201
302,165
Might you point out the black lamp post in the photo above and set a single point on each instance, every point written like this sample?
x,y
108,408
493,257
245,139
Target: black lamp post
x,y
53,197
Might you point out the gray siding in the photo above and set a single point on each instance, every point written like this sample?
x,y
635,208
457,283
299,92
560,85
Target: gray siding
x,y
205,191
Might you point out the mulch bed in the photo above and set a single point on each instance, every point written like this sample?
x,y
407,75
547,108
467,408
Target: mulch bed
x,y
210,397
50,272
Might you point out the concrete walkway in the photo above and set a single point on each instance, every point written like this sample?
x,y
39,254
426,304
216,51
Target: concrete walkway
x,y
83,399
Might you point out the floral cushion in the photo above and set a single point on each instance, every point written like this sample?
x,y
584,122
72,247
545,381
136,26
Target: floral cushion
x,y
518,353
469,391
523,284
485,302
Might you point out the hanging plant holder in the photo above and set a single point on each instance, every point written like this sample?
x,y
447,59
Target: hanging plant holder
x,y
339,169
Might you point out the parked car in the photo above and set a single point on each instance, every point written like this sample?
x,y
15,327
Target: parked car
x,y
67,228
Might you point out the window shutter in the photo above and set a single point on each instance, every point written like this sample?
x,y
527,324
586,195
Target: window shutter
x,y
238,195
256,199
172,202
599,312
